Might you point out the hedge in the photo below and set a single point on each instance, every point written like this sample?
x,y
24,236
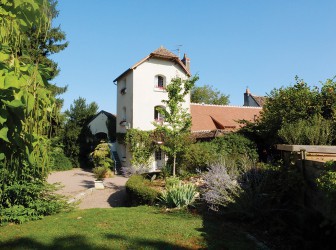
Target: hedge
x,y
139,192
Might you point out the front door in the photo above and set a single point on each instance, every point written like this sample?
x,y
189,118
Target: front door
x,y
159,159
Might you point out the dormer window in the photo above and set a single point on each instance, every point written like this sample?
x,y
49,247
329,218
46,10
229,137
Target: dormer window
x,y
160,82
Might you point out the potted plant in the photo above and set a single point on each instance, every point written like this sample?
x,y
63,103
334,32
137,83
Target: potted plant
x,y
100,173
103,164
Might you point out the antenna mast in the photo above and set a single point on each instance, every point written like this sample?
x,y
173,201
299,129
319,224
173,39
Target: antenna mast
x,y
179,49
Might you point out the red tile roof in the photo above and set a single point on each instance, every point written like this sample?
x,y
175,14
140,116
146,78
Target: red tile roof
x,y
217,117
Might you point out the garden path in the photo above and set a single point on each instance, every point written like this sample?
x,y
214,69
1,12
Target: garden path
x,y
78,185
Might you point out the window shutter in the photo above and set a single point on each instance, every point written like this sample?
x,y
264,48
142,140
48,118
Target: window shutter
x,y
156,81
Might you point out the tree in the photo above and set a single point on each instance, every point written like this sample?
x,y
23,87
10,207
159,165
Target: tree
x,y
40,47
75,131
288,105
26,102
26,106
177,120
291,106
208,95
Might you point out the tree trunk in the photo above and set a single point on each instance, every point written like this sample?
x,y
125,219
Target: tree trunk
x,y
174,165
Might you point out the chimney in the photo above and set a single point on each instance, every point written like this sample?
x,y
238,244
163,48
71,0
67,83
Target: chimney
x,y
246,97
248,91
186,61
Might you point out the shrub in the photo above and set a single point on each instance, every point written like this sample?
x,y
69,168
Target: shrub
x,y
253,192
197,157
179,195
327,183
139,191
222,188
29,200
234,147
314,131
58,160
101,156
136,169
101,172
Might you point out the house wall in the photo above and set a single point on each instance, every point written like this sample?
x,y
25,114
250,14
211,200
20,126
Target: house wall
x,y
142,96
124,101
99,124
146,96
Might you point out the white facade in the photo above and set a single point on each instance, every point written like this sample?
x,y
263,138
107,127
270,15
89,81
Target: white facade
x,y
142,88
99,124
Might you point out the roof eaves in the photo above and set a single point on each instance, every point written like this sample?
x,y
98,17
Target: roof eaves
x,y
132,68
170,56
123,74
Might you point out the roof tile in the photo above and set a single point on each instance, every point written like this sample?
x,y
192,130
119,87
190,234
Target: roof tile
x,y
215,117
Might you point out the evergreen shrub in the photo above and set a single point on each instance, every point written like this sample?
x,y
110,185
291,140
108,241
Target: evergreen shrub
x,y
59,161
233,147
313,131
29,200
139,191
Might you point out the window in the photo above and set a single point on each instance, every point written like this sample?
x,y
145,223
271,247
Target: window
x,y
123,87
157,116
160,82
158,154
123,117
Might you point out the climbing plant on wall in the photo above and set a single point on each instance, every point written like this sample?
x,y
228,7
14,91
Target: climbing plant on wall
x,y
140,144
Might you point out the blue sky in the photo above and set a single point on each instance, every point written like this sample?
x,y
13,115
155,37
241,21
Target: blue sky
x,y
231,44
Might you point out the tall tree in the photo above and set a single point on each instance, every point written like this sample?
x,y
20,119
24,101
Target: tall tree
x,y
209,95
75,132
26,102
177,120
41,47
26,106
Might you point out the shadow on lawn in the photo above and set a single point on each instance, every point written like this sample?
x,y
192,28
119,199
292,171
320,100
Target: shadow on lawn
x,y
79,242
118,198
136,243
219,234
67,243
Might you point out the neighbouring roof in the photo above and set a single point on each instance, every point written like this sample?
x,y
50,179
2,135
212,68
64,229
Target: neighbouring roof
x,y
260,100
209,118
109,115
162,53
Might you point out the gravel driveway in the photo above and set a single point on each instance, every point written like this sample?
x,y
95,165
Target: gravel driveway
x,y
78,184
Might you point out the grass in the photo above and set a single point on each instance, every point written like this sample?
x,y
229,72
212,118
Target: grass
x,y
117,228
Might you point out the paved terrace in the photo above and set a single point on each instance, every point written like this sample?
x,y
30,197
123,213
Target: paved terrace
x,y
78,185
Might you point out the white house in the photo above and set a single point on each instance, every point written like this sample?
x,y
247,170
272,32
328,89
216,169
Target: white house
x,y
141,88
99,126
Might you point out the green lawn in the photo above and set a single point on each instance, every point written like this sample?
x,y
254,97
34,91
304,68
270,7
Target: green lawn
x,y
119,228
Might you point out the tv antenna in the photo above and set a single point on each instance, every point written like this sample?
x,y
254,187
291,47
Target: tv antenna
x,y
178,49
